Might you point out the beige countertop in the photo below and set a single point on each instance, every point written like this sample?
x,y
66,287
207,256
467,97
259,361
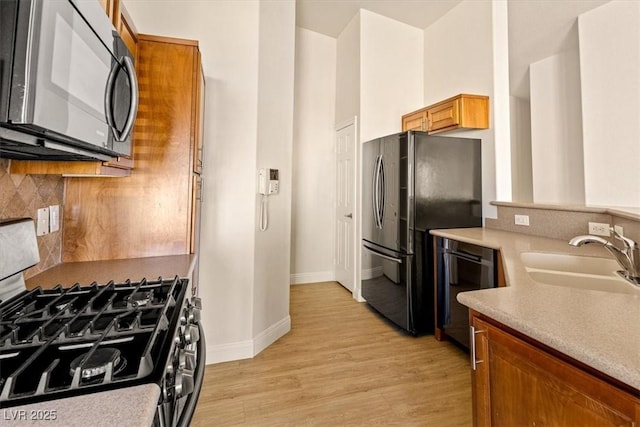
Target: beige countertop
x,y
136,405
130,406
118,270
600,329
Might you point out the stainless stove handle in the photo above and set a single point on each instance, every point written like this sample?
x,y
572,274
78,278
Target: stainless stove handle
x,y
190,405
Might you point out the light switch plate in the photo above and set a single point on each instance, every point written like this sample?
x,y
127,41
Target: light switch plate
x,y
42,225
54,218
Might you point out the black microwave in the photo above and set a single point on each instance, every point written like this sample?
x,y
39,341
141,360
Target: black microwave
x,y
68,86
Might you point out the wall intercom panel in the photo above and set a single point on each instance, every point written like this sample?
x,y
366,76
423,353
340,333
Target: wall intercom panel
x,y
268,181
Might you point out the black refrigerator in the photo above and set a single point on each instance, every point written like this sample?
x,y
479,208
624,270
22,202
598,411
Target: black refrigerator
x,y
412,183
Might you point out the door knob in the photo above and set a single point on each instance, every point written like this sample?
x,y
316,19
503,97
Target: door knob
x,y
349,216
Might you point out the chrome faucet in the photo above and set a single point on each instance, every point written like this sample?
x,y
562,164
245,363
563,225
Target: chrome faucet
x,y
628,257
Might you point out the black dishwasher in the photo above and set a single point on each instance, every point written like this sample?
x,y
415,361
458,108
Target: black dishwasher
x,y
461,267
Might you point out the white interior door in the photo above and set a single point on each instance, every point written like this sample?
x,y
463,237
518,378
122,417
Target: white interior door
x,y
345,205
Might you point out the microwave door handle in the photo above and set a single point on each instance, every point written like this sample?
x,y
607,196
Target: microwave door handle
x,y
133,87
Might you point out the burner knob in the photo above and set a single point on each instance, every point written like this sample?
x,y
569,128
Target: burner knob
x,y
193,315
196,302
187,359
190,314
191,334
184,384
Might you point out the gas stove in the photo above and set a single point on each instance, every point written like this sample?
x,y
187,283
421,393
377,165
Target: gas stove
x,y
69,341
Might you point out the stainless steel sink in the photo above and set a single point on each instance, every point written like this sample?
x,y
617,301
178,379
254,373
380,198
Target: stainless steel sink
x,y
574,271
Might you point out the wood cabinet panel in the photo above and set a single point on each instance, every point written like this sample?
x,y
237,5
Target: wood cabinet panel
x,y
150,212
459,112
518,383
110,168
415,121
124,24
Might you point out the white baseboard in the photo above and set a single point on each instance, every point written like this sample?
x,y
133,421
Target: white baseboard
x,y
270,335
248,349
320,276
370,273
228,352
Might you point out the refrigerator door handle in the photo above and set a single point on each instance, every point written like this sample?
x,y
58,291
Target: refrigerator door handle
x,y
381,255
383,191
376,192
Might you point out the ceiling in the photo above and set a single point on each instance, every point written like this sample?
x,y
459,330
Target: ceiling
x,y
537,28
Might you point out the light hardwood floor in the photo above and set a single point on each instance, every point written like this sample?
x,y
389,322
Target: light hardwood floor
x,y
340,365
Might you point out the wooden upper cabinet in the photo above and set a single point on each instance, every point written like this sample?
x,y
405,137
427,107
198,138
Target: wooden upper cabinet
x,y
108,6
153,211
198,125
124,24
415,121
459,112
517,382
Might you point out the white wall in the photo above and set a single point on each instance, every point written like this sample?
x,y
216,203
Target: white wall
x,y
347,91
391,74
610,77
556,130
274,141
459,57
521,175
229,36
313,204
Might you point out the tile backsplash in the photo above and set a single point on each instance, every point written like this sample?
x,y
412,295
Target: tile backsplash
x,y
21,196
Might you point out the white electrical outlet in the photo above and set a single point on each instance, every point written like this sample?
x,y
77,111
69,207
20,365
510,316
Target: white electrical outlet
x,y
522,219
42,225
599,229
54,218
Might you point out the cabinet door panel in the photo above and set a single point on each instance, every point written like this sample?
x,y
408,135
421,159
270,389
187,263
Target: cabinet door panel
x,y
520,384
415,121
444,116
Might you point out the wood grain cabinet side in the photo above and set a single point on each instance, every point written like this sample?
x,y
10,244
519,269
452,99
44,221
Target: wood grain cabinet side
x,y
152,212
517,381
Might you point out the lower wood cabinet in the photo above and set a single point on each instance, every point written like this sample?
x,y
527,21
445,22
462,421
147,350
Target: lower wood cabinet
x,y
517,382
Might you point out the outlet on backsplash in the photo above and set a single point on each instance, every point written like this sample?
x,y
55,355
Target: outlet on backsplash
x,y
599,229
564,222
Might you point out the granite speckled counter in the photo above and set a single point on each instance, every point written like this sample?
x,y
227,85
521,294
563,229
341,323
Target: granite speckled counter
x,y
134,406
600,329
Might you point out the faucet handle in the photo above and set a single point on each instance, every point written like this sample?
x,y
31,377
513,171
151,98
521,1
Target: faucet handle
x,y
628,243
